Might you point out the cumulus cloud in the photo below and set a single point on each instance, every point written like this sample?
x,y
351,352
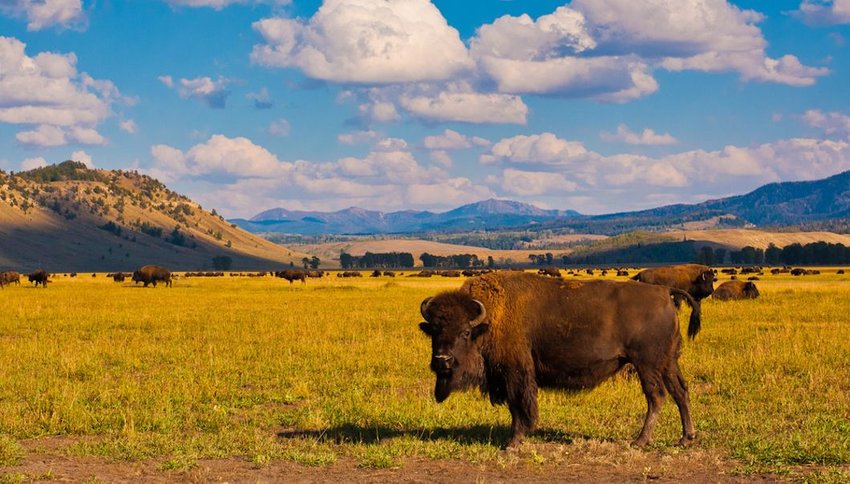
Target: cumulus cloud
x,y
824,12
128,126
47,91
830,123
452,140
211,92
543,149
262,99
379,111
464,105
219,156
645,137
365,41
41,14
83,158
46,136
530,183
357,137
221,4
238,170
33,163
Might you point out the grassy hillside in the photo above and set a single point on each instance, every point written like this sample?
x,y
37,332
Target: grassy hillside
x,y
69,218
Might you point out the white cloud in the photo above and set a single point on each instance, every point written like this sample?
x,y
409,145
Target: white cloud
x,y
381,112
262,99
46,136
530,183
466,106
279,128
218,156
452,140
33,163
365,41
47,91
830,123
221,4
357,137
545,148
442,158
824,12
645,137
128,126
41,14
448,193
83,158
211,92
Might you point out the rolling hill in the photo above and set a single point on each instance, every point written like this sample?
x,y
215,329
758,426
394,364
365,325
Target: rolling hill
x,y
67,218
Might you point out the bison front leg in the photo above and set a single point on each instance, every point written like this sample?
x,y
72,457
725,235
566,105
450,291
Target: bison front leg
x,y
522,403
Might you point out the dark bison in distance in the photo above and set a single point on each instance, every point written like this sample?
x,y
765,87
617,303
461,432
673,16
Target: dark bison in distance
x,y
732,290
9,277
151,275
510,333
292,275
39,277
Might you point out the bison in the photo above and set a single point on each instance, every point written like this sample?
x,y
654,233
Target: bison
x,y
119,277
509,334
9,277
731,290
293,275
151,275
549,271
39,277
695,279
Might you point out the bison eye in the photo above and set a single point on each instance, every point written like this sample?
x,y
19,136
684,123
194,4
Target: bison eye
x,y
466,334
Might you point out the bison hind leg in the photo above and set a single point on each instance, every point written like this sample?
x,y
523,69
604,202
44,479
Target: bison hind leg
x,y
652,383
675,384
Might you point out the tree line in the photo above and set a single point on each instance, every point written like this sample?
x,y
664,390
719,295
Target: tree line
x,y
370,260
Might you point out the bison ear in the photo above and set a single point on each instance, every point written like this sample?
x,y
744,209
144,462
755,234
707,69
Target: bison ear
x,y
479,330
427,328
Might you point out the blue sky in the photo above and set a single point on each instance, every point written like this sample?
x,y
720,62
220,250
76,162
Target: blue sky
x,y
591,105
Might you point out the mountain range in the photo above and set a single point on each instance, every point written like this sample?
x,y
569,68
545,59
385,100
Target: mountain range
x,y
773,205
487,214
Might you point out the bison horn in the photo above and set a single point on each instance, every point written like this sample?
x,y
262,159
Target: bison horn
x,y
424,306
481,317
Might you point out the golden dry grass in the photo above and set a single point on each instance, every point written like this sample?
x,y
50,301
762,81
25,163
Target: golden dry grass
x,y
262,370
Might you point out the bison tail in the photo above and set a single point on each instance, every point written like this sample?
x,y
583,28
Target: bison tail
x,y
696,310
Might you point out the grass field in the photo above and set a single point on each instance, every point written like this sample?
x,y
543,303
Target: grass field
x,y
255,370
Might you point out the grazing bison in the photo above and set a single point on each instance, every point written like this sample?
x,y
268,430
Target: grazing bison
x,y
695,279
293,275
119,277
549,271
151,275
732,290
389,273
9,277
39,277
509,334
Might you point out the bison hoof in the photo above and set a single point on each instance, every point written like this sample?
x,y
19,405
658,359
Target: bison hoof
x,y
512,445
687,440
641,443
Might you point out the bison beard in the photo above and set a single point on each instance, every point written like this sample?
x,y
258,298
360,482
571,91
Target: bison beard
x,y
509,334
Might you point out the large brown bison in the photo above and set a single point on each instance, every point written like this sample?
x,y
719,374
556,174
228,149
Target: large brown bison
x,y
39,277
695,279
549,271
9,277
151,275
292,275
731,290
509,333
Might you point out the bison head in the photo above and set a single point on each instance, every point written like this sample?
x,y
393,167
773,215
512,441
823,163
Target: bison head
x,y
750,290
703,286
455,323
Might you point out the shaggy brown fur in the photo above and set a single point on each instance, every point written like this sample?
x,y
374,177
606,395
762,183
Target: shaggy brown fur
x,y
151,275
731,290
544,332
695,279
